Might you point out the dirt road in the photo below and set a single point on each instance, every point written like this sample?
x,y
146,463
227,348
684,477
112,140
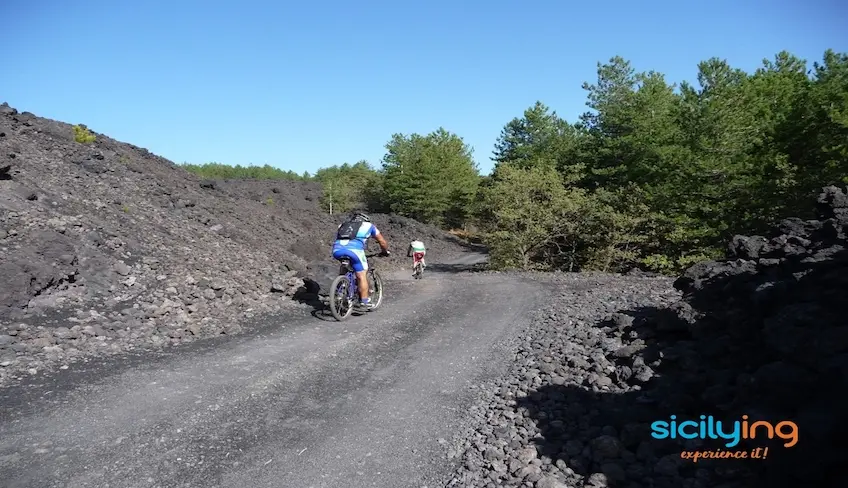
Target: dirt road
x,y
303,401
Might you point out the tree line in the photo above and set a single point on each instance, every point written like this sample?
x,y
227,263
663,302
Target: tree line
x,y
655,174
227,172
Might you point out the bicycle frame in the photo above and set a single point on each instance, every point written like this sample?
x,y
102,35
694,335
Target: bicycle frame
x,y
342,304
350,275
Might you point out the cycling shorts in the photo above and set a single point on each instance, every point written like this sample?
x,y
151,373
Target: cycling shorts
x,y
357,257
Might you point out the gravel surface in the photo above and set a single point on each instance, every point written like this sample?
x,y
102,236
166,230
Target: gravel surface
x,y
301,401
562,392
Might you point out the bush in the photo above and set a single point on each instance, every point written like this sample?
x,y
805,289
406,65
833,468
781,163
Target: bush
x,y
82,135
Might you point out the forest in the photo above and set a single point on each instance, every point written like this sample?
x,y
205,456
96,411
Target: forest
x,y
655,174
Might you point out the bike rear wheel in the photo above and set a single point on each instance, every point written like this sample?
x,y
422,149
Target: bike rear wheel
x,y
419,271
375,283
341,306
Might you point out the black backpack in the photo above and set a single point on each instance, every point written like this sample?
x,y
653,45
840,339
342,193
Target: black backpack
x,y
348,229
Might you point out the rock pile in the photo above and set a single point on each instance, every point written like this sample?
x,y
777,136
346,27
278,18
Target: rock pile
x,y
760,334
555,420
768,338
105,247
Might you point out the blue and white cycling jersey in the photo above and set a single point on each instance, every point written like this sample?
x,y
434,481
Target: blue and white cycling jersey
x,y
355,248
366,231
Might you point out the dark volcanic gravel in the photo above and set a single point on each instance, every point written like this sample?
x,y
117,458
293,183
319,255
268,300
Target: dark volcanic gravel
x,y
105,248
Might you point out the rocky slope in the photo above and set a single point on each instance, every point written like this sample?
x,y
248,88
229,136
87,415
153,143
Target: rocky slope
x,y
105,247
762,333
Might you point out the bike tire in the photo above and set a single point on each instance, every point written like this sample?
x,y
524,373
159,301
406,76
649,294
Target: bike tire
x,y
376,291
338,299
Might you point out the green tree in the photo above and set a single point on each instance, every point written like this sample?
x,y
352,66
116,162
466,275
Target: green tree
x,y
540,137
614,228
227,172
430,178
668,175
346,186
524,212
609,99
817,130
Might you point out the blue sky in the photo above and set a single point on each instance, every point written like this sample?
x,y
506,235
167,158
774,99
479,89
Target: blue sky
x,y
302,86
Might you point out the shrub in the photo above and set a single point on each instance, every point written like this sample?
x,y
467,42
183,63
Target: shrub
x,y
83,135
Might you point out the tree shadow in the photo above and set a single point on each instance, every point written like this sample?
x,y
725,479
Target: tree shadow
x,y
771,344
467,245
455,268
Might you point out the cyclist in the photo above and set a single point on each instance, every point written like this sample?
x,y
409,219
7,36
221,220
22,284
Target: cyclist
x,y
351,242
417,251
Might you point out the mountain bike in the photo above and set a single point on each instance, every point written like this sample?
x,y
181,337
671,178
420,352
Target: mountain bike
x,y
418,270
344,292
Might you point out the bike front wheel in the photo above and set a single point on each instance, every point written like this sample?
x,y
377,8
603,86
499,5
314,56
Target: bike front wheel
x,y
341,306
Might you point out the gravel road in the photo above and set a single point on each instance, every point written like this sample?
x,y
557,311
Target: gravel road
x,y
303,401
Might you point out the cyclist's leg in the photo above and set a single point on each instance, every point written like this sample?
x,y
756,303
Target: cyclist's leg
x,y
338,254
416,258
360,268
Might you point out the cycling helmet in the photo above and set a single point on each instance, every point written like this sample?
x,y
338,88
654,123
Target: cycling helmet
x,y
357,215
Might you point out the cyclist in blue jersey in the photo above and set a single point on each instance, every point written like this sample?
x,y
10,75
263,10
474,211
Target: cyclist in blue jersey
x,y
351,242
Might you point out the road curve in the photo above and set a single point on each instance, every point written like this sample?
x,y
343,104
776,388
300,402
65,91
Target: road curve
x,y
303,401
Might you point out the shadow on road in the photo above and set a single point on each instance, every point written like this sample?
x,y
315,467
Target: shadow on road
x,y
468,262
316,298
310,296
740,353
470,246
454,268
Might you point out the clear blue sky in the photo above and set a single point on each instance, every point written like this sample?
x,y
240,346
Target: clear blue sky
x,y
304,86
